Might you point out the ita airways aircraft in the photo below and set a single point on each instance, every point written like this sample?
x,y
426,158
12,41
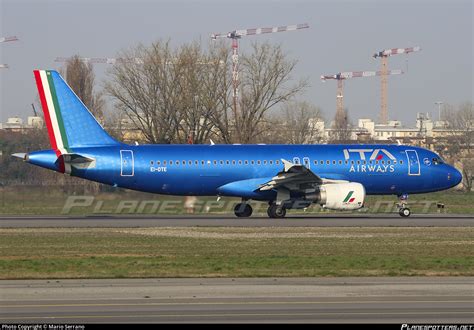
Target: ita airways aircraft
x,y
338,177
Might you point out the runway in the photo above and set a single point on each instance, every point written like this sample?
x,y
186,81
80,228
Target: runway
x,y
389,220
278,300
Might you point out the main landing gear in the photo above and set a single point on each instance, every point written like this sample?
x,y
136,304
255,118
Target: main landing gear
x,y
243,210
403,209
276,211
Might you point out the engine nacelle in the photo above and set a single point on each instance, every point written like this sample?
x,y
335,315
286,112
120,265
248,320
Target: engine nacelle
x,y
340,196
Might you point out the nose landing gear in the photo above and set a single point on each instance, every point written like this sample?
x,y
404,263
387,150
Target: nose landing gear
x,y
403,208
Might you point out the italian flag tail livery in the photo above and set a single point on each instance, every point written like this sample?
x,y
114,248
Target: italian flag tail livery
x,y
70,124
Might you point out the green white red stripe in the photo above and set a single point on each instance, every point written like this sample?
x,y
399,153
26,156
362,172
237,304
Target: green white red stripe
x,y
52,112
348,198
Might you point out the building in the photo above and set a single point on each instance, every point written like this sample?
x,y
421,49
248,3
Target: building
x,y
16,124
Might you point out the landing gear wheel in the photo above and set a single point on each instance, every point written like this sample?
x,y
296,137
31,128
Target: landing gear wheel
x,y
276,211
243,210
404,212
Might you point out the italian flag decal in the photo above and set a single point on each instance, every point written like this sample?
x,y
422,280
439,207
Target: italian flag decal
x,y
348,198
52,113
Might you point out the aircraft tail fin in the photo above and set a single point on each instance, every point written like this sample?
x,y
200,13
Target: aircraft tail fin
x,y
70,124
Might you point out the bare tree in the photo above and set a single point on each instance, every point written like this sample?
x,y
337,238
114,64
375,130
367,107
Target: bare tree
x,y
204,99
341,132
185,94
467,173
265,82
300,123
80,77
147,90
460,123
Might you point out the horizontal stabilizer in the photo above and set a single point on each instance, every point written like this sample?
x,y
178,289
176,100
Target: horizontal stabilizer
x,y
77,161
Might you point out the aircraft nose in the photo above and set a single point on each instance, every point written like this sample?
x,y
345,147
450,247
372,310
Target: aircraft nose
x,y
456,176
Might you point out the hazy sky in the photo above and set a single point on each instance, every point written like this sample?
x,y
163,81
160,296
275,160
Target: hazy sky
x,y
343,35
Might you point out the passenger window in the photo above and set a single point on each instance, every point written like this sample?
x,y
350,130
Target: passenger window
x,y
334,162
227,162
184,162
158,162
233,162
246,162
240,162
328,162
171,162
401,162
151,163
215,162
321,162
258,162
164,162
271,162
196,162
202,162
340,162
252,162
277,162
221,162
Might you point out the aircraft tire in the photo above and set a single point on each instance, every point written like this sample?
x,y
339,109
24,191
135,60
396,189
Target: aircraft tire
x,y
276,211
243,211
404,212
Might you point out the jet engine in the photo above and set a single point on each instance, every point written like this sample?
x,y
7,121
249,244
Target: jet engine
x,y
339,196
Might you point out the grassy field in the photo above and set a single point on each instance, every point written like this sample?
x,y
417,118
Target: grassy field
x,y
234,252
52,200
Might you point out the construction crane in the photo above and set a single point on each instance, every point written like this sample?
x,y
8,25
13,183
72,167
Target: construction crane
x,y
100,60
7,39
34,110
384,54
113,61
341,76
235,36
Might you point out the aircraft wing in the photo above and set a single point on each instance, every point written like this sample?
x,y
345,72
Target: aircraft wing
x,y
296,177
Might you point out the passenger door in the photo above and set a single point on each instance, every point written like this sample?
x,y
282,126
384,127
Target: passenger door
x,y
126,163
413,162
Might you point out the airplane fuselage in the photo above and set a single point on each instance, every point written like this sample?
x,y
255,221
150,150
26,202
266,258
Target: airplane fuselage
x,y
203,169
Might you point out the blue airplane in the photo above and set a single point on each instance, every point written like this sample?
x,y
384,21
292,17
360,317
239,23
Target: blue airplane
x,y
337,177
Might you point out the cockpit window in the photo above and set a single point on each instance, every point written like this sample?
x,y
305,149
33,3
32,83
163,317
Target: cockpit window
x,y
437,161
